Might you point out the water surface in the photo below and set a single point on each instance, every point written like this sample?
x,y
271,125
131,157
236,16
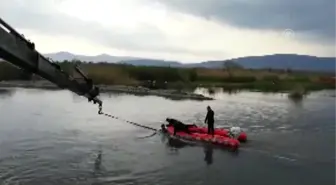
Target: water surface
x,y
55,137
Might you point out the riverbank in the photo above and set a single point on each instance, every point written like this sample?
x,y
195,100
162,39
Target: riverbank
x,y
137,90
264,86
178,79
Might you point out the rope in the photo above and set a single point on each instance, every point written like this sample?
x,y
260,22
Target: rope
x,y
130,122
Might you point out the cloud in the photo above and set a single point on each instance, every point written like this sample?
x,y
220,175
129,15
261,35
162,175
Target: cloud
x,y
46,19
161,29
314,19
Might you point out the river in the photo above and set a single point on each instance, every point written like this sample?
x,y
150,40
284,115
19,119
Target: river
x,y
55,137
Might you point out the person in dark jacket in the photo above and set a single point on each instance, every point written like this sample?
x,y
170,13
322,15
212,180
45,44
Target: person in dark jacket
x,y
178,125
163,128
209,119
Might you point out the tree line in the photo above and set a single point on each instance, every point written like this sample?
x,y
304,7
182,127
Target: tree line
x,y
108,73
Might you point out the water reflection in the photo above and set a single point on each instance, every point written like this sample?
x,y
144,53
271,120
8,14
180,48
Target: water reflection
x,y
120,94
98,161
231,91
98,167
215,92
176,144
208,153
296,101
5,93
211,91
220,92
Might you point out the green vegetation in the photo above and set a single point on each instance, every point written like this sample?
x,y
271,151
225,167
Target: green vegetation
x,y
231,78
9,72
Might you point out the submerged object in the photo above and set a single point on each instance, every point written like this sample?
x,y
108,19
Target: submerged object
x,y
198,134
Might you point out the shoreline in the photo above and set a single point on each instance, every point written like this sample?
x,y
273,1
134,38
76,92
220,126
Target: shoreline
x,y
168,93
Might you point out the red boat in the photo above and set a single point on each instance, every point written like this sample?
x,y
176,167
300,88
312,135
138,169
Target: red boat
x,y
200,134
236,131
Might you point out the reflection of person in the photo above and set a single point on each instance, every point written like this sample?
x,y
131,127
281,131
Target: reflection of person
x,y
163,128
209,119
208,151
98,161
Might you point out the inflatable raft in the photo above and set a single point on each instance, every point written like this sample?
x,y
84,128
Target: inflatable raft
x,y
235,132
199,134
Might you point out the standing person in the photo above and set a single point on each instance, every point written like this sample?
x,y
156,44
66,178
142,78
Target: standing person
x,y
209,119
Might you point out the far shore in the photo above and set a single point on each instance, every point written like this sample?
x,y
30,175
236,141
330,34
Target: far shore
x,y
169,93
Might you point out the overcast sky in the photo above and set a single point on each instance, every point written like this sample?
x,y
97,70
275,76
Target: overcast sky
x,y
185,30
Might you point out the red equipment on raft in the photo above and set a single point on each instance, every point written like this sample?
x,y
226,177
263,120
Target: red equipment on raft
x,y
198,134
242,137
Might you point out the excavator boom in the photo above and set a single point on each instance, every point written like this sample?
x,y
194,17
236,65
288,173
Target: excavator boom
x,y
14,48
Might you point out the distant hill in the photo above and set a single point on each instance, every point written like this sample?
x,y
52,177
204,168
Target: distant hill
x,y
61,56
277,61
151,62
137,61
284,61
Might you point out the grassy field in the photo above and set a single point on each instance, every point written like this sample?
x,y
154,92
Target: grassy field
x,y
178,78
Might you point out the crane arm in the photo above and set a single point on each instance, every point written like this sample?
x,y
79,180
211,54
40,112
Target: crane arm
x,y
14,48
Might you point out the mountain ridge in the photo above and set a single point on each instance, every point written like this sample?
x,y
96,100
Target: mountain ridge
x,y
274,61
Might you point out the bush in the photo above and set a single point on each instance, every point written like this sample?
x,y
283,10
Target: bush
x,y
11,72
193,75
240,79
271,78
154,73
231,79
298,78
